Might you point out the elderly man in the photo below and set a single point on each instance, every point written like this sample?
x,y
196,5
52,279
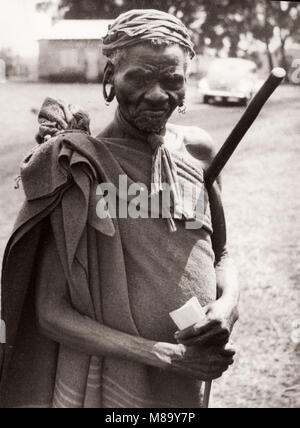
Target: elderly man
x,y
87,299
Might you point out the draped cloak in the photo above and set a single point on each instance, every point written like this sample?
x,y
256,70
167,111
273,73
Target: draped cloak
x,y
127,274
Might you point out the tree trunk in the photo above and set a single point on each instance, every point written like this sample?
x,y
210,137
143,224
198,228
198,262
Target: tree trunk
x,y
267,38
269,54
284,62
234,46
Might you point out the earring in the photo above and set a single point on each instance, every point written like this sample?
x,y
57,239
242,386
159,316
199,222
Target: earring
x,y
108,97
182,109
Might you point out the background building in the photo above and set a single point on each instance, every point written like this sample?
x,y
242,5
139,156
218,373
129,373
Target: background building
x,y
72,51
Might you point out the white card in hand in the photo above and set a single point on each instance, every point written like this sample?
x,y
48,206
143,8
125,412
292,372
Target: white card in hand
x,y
189,314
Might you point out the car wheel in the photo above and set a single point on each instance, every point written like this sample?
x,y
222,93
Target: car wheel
x,y
244,102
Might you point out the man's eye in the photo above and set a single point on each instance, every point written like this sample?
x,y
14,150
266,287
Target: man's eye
x,y
174,82
142,79
133,77
138,78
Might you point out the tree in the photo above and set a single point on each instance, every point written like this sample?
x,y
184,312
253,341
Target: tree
x,y
275,18
215,23
263,28
225,23
110,9
286,17
263,19
223,19
107,9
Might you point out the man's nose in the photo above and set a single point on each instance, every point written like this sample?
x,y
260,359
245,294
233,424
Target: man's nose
x,y
156,95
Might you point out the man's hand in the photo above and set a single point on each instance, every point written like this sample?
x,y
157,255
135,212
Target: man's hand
x,y
221,317
203,363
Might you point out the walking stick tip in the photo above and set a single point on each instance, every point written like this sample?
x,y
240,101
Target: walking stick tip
x,y
279,72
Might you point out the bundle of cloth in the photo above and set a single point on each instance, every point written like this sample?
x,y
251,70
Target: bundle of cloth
x,y
58,116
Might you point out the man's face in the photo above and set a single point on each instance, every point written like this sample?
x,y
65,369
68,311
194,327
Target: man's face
x,y
150,84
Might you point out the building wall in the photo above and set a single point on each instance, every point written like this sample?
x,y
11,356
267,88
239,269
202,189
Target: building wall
x,y
70,60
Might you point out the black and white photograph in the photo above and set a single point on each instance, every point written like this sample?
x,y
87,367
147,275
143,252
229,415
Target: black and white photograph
x,y
149,206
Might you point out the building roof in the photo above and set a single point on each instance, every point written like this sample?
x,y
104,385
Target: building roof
x,y
78,29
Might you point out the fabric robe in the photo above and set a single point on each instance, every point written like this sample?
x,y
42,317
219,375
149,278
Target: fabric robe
x,y
127,274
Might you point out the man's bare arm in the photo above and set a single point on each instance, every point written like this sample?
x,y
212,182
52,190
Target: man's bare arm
x,y
223,313
225,309
201,146
59,321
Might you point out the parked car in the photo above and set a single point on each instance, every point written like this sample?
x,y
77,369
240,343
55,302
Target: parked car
x,y
231,80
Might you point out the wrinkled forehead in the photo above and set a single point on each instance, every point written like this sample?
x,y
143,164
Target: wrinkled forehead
x,y
149,57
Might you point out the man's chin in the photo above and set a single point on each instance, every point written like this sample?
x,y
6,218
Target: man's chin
x,y
151,124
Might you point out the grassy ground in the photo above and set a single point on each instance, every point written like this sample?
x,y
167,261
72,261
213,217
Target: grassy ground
x,y
261,197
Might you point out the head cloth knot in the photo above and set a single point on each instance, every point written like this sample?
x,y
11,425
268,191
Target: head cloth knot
x,y
138,26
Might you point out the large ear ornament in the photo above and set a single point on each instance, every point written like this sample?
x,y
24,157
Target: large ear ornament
x,y
107,78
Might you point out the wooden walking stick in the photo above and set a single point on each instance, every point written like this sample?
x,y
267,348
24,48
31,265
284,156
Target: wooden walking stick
x,y
191,312
244,124
274,80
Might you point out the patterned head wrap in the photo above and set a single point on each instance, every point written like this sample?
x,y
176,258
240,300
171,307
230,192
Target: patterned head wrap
x,y
137,26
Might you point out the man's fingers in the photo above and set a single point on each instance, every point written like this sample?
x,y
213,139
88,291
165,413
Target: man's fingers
x,y
221,362
228,351
221,339
195,330
213,365
216,336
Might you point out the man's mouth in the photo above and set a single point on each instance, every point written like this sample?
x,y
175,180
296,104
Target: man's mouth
x,y
153,113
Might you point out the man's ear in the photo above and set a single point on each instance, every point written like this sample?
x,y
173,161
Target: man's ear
x,y
108,79
109,72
